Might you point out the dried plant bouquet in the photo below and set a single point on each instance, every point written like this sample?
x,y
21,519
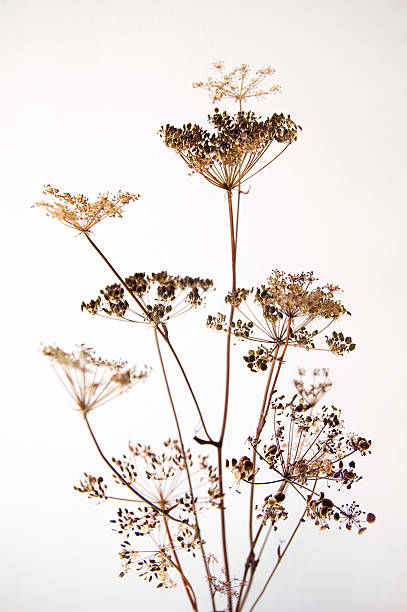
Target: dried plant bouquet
x,y
298,453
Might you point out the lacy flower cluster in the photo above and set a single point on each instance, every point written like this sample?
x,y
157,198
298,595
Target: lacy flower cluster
x,y
238,84
77,212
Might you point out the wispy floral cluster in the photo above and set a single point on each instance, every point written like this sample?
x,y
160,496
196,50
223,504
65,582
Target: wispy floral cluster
x,y
238,84
90,380
77,212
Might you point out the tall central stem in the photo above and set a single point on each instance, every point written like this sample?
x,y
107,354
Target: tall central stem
x,y
225,409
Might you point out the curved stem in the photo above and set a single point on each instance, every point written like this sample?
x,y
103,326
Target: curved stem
x,y
210,439
191,492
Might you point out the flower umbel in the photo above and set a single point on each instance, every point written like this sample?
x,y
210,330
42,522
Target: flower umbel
x,y
226,157
289,304
163,296
90,380
77,212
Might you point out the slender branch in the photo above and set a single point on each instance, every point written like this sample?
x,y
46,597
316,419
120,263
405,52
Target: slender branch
x,y
187,585
251,502
210,439
254,561
262,420
281,556
162,334
225,409
123,282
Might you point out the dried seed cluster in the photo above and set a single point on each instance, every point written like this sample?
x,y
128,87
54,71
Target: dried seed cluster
x,y
164,297
226,157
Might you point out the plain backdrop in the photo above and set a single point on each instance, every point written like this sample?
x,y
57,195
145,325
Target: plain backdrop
x,y
86,85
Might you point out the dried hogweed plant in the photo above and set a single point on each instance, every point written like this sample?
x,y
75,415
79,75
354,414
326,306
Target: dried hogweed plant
x,y
300,460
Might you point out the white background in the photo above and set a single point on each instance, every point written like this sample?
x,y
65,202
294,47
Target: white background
x,y
85,87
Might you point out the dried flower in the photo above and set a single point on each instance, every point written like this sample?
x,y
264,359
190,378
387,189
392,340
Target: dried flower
x,y
90,380
77,212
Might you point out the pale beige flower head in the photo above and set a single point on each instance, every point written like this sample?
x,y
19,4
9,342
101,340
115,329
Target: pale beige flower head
x,y
77,212
238,84
90,380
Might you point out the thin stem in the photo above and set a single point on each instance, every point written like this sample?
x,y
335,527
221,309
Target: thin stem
x,y
125,285
253,565
210,439
187,585
251,502
262,420
281,556
225,409
186,466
